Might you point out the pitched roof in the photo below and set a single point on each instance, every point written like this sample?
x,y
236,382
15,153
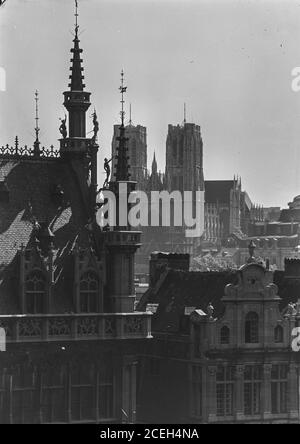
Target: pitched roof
x,y
30,184
177,289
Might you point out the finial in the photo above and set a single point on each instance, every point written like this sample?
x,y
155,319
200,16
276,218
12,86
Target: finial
x,y
122,173
184,113
122,89
37,129
130,119
76,18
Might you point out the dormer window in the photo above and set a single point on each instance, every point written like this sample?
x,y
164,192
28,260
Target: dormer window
x,y
35,292
251,328
89,292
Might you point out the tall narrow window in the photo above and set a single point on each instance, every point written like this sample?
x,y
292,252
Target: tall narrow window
x,y
23,396
279,388
197,341
53,398
251,328
106,407
224,335
3,404
278,334
252,389
89,291
225,387
133,159
83,398
196,391
174,150
35,292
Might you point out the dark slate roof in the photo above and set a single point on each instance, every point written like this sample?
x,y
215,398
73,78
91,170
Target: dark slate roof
x,y
30,183
218,191
288,289
181,289
177,290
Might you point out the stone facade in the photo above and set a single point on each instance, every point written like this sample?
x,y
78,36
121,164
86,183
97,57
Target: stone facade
x,y
66,286
275,240
223,356
137,153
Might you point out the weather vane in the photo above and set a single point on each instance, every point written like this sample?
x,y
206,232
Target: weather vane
x,y
76,17
37,129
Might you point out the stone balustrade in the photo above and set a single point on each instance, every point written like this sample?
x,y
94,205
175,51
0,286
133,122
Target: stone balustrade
x,y
76,327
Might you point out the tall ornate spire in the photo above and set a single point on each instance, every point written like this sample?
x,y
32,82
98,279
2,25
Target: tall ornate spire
x,y
76,75
77,101
122,167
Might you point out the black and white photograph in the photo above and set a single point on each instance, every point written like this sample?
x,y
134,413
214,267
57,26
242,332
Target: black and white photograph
x,y
149,215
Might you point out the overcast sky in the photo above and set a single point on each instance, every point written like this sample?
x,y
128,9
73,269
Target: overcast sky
x,y
229,60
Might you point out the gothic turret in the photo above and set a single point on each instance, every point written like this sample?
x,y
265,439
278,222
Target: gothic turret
x,y
122,241
76,101
75,147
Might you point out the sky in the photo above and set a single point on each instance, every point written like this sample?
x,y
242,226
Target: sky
x,y
229,60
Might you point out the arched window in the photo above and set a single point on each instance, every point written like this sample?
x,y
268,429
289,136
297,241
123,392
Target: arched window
x,y
35,292
174,150
225,335
133,158
251,328
89,291
278,334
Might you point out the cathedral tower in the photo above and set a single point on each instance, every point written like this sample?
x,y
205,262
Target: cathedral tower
x,y
184,172
184,158
137,152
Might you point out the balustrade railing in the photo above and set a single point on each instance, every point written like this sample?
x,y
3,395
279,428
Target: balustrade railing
x,y
26,152
75,327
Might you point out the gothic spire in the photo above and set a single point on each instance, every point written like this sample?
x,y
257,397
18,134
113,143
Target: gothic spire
x,y
122,167
76,69
77,101
154,164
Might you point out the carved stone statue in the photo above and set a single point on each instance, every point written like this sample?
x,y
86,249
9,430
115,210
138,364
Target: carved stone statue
x,y
96,126
210,310
290,310
251,248
107,170
63,127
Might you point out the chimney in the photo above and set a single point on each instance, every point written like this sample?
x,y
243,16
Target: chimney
x,y
159,262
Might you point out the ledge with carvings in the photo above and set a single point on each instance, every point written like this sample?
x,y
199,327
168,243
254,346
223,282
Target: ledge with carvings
x,y
76,327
